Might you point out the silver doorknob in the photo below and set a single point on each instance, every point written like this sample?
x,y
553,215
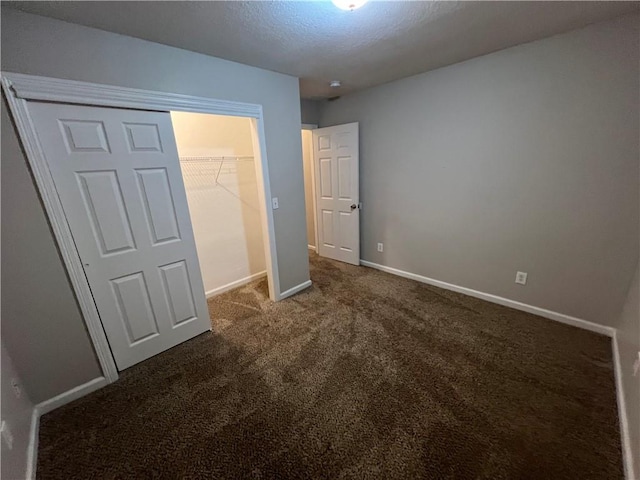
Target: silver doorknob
x,y
354,206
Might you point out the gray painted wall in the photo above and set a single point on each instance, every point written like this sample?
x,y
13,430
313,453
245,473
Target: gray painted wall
x,y
525,159
17,413
310,111
42,46
629,346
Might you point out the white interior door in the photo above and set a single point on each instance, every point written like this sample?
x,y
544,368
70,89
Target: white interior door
x,y
118,177
336,162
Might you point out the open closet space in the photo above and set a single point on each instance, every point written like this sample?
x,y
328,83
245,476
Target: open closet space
x,y
221,181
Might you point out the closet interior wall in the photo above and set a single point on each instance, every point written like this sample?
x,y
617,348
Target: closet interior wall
x,y
217,162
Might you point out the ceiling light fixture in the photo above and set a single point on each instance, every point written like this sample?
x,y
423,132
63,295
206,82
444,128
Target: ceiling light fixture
x,y
349,4
335,83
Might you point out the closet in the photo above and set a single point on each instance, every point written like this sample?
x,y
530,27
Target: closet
x,y
218,167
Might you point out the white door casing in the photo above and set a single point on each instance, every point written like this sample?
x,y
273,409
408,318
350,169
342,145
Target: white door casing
x,y
117,175
336,163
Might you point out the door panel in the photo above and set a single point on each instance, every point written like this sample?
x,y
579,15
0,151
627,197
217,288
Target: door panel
x,y
158,202
327,229
104,206
118,177
134,306
84,136
344,178
142,137
175,279
336,161
325,178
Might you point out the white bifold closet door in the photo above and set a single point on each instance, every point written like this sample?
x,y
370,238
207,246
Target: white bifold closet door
x,y
118,177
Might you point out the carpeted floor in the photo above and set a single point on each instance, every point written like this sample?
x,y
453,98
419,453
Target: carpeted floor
x,y
363,376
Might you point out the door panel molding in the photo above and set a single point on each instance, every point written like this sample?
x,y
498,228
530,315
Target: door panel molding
x,y
19,89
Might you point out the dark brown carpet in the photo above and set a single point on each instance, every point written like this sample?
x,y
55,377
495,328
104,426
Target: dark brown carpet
x,y
364,375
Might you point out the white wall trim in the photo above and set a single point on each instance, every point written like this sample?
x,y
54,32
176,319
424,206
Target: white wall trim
x,y
32,449
258,139
294,290
542,312
627,452
235,284
46,407
312,247
32,87
20,88
71,395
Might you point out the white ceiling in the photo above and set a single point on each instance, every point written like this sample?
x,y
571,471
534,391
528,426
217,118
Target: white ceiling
x,y
313,40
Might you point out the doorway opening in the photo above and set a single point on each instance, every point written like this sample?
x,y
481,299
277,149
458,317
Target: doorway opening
x,y
330,157
309,186
218,165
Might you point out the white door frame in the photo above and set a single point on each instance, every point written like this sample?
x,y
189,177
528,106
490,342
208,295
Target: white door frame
x,y
20,88
313,126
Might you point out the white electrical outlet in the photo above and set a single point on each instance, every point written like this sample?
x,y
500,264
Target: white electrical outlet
x,y
7,436
521,278
16,388
274,203
381,247
636,365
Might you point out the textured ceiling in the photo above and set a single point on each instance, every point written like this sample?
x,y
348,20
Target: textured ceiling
x,y
313,40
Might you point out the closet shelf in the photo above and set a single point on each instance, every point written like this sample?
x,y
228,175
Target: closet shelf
x,y
213,169
217,159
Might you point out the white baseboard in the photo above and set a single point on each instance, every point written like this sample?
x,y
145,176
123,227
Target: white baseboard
x,y
542,312
627,452
294,290
49,405
311,247
71,395
235,284
32,449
